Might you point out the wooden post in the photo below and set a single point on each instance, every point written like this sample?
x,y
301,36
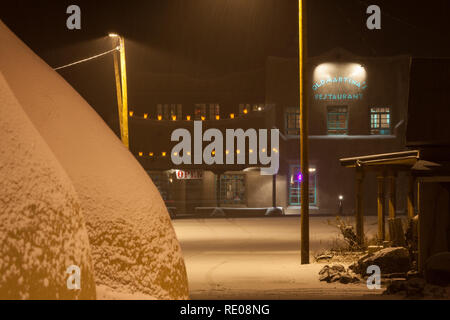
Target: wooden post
x,y
410,197
381,207
359,206
304,165
392,178
274,191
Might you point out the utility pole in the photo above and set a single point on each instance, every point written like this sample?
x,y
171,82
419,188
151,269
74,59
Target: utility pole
x,y
304,165
121,87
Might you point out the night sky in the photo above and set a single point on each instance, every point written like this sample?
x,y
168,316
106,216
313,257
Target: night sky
x,y
212,38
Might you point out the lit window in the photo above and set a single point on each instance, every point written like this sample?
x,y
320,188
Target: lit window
x,y
294,186
232,189
200,112
337,121
292,121
214,111
380,121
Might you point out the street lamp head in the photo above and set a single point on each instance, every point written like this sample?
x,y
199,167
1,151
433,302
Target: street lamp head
x,y
341,197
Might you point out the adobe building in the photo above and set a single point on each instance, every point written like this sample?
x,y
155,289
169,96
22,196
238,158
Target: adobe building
x,y
357,105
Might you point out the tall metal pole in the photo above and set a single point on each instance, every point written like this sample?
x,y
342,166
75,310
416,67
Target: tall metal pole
x,y
123,73
118,90
304,165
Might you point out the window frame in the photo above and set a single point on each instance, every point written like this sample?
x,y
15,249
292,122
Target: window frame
x,y
297,187
295,112
378,112
243,179
336,131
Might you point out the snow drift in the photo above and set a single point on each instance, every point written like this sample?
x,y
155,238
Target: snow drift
x,y
42,230
132,240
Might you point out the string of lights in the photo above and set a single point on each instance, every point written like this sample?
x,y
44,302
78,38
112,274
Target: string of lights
x,y
87,59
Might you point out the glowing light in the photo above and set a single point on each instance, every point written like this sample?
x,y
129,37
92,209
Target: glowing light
x,y
175,154
141,154
245,111
189,154
203,118
300,177
174,118
227,152
217,117
232,116
131,113
213,152
159,117
275,150
164,154
113,35
145,115
251,150
263,150
151,154
312,169
341,197
238,151
188,118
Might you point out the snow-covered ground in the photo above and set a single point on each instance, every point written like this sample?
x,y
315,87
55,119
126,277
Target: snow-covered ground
x,y
259,258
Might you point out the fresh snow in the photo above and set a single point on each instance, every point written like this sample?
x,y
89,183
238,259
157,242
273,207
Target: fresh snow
x,y
42,230
132,240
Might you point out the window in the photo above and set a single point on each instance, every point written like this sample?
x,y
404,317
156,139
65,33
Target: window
x,y
294,186
169,111
380,121
232,189
337,120
200,111
162,181
293,121
214,110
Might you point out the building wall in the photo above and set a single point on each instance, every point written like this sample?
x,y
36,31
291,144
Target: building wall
x,y
382,82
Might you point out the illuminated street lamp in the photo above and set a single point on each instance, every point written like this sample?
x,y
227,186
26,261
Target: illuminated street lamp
x,y
121,86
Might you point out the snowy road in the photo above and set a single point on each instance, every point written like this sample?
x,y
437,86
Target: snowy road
x,y
258,258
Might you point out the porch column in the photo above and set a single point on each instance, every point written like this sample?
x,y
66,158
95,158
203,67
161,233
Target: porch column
x,y
410,197
392,178
274,191
359,206
381,207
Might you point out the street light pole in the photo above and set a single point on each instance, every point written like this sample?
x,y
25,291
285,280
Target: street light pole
x,y
121,88
304,165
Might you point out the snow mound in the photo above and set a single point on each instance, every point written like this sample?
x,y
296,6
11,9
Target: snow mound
x,y
133,243
42,229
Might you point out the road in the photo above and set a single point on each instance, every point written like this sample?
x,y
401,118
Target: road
x,y
258,258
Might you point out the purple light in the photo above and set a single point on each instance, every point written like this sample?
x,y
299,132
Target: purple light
x,y
299,177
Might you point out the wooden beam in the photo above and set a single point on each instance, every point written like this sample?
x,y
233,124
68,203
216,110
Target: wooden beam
x,y
359,207
381,207
410,197
392,178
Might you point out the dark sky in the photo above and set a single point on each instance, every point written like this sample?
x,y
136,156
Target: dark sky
x,y
213,38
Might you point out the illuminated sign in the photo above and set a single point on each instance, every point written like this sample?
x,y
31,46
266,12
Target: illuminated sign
x,y
361,85
338,97
189,174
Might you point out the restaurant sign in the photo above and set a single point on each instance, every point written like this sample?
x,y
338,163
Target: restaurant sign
x,y
189,174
